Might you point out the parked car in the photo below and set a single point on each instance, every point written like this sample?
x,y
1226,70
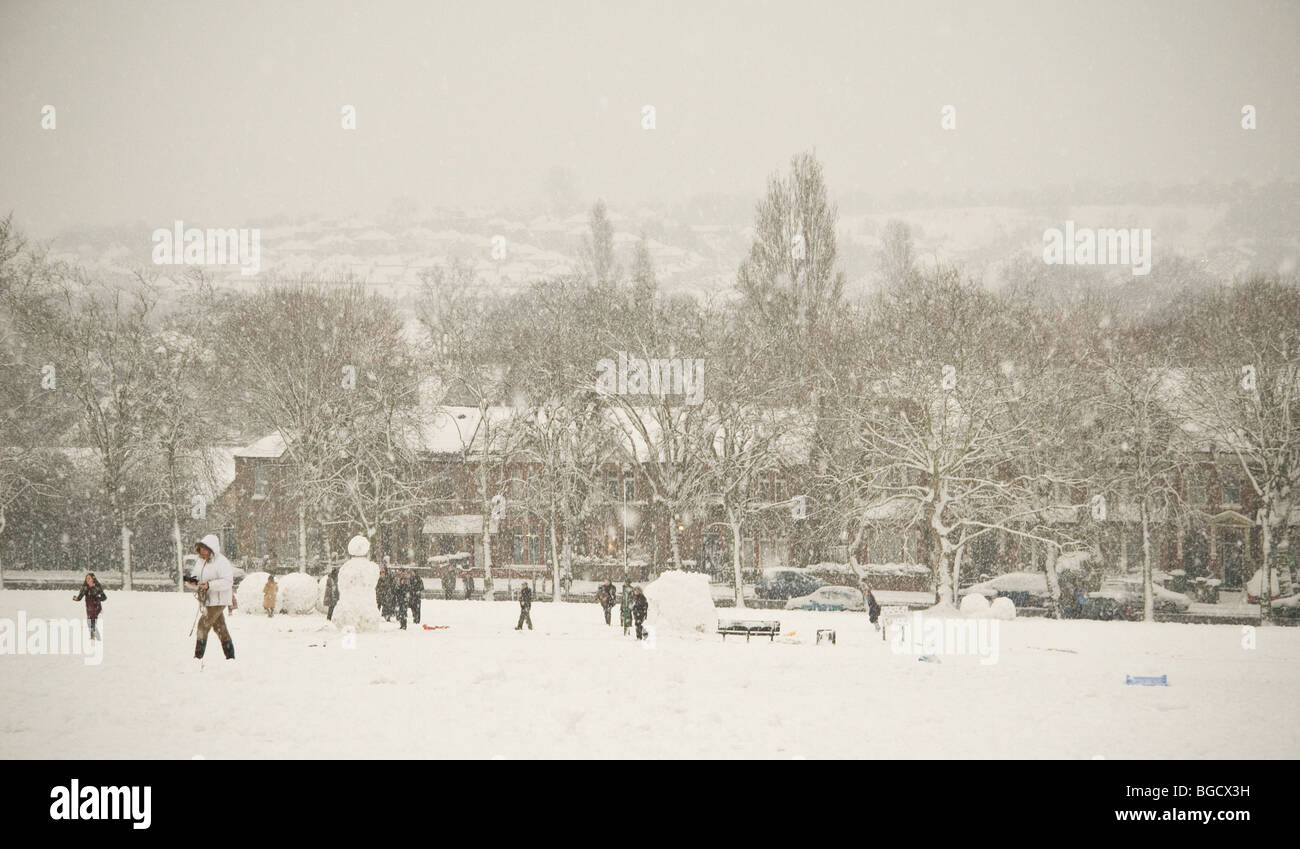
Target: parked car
x,y
1025,589
829,598
1121,598
784,583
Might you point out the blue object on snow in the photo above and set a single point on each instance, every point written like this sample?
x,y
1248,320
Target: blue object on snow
x,y
1147,680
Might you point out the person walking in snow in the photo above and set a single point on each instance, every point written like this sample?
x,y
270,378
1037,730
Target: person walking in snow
x,y
640,609
415,594
399,598
449,583
384,593
873,609
525,607
331,593
216,587
625,607
94,595
608,597
269,592
469,583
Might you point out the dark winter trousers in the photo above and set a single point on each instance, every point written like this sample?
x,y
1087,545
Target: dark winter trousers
x,y
640,631
607,612
94,634
415,608
214,619
330,615
525,615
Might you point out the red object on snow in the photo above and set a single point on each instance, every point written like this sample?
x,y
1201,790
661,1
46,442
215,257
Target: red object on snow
x,y
434,627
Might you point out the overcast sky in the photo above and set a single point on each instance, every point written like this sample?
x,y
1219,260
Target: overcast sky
x,y
220,112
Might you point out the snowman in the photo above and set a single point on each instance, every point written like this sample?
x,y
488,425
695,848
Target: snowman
x,y
357,608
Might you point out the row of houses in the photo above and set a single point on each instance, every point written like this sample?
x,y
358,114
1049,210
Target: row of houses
x,y
629,530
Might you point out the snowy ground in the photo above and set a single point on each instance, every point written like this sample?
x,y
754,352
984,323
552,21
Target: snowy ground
x,y
575,688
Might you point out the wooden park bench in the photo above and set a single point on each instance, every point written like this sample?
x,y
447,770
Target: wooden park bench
x,y
749,627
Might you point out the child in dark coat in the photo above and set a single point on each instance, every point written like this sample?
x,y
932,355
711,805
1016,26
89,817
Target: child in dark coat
x,y
94,595
873,609
640,609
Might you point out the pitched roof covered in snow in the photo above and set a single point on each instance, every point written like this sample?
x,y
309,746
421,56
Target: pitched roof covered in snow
x,y
270,446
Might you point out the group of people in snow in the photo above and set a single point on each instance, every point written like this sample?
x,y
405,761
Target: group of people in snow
x,y
449,583
396,591
633,605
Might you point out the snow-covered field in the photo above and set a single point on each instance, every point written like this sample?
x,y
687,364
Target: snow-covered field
x,y
576,688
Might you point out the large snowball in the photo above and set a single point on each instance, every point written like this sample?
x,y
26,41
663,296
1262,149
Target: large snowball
x,y
681,602
1002,608
357,607
297,593
249,594
974,604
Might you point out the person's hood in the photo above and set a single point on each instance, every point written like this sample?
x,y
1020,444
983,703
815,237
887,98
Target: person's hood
x,y
213,543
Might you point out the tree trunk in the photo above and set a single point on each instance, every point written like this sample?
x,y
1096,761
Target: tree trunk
x,y
957,556
1266,588
1148,591
2,561
673,541
943,588
180,551
555,562
1053,580
127,583
488,595
735,561
302,537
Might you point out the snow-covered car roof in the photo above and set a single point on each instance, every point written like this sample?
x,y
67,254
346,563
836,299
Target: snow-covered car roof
x,y
1023,582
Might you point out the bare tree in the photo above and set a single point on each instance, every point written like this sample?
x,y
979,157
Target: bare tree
x,y
789,276
1243,387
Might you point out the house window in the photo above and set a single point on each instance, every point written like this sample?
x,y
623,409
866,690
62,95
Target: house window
x,y
1231,487
261,481
770,553
629,485
1196,495
263,539
534,547
611,483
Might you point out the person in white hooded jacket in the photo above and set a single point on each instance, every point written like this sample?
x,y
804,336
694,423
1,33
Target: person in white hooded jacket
x,y
216,588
